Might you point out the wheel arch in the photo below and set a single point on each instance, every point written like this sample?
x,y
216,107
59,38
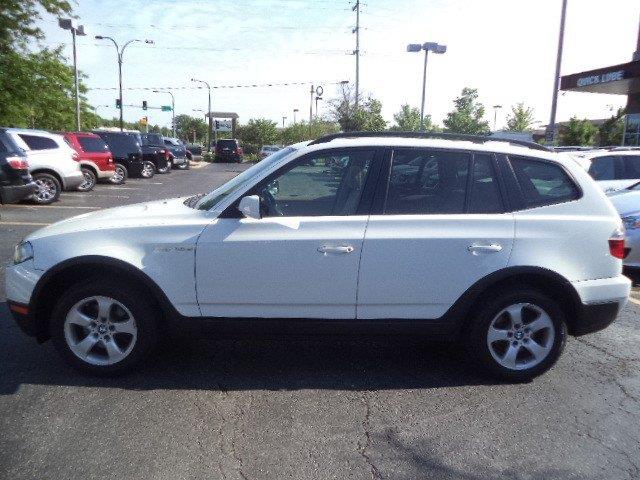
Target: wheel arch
x,y
49,171
90,165
547,281
70,272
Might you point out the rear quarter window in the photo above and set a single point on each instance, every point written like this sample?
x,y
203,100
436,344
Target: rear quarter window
x,y
36,142
93,144
542,182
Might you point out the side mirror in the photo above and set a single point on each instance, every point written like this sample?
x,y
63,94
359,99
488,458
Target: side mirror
x,y
250,206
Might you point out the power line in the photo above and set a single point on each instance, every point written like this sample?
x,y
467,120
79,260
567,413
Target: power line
x,y
195,87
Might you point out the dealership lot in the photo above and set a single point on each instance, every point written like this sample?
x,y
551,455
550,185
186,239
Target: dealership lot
x,y
254,408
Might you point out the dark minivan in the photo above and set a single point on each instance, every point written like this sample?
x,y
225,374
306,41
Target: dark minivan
x,y
127,154
15,182
228,151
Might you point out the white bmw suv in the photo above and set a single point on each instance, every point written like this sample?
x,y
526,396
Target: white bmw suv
x,y
499,245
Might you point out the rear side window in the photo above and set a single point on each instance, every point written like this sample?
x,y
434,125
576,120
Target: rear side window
x,y
36,142
631,167
427,182
484,196
543,183
93,144
603,168
227,143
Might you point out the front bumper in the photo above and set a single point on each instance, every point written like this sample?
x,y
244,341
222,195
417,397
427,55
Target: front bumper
x,y
21,280
15,193
73,180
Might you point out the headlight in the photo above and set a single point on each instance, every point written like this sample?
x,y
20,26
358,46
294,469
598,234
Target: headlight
x,y
22,252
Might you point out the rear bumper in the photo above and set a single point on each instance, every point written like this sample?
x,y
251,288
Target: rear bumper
x,y
601,300
73,180
595,318
106,174
15,193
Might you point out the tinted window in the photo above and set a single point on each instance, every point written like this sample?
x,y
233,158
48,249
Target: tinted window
x,y
603,168
120,144
427,182
227,143
326,184
484,196
631,166
543,183
152,139
92,144
36,142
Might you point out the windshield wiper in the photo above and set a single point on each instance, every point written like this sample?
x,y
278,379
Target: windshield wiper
x,y
191,201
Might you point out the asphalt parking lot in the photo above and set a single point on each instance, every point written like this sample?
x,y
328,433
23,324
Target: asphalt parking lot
x,y
307,408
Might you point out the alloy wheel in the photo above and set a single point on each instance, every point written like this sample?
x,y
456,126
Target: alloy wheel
x,y
47,190
147,170
521,336
118,176
89,181
100,330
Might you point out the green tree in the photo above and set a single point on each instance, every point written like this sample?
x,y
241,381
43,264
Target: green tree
x,y
520,119
256,133
578,132
366,117
612,130
408,120
467,115
18,20
187,127
303,131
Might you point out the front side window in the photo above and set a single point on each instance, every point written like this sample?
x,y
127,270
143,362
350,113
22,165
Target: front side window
x,y
324,184
543,183
603,168
427,182
36,142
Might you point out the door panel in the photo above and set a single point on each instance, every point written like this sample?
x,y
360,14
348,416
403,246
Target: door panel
x,y
272,267
417,266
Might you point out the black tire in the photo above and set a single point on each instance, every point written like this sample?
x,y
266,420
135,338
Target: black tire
x,y
121,175
478,330
166,169
49,189
183,166
90,179
134,300
148,169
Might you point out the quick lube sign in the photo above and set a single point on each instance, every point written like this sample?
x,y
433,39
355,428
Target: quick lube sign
x,y
602,78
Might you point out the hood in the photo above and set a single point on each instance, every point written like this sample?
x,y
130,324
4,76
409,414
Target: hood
x,y
626,201
158,213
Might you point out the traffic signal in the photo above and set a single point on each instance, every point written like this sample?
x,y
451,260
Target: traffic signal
x,y
144,121
144,104
118,104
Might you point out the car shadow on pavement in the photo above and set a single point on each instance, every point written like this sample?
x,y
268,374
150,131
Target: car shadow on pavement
x,y
207,361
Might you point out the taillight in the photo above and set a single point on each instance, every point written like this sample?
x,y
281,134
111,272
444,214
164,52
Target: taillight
x,y
18,163
616,244
74,155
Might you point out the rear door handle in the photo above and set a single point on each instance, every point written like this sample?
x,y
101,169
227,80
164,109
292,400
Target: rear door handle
x,y
335,249
475,248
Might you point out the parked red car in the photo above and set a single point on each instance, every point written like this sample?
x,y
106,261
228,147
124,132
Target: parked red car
x,y
96,160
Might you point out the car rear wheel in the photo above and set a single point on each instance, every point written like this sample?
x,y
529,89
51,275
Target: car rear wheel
x,y
120,174
90,179
148,169
518,334
103,328
48,191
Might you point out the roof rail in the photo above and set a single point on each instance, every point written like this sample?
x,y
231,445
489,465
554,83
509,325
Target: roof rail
x,y
443,136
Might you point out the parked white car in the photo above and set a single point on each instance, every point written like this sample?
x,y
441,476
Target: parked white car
x,y
613,169
51,163
505,249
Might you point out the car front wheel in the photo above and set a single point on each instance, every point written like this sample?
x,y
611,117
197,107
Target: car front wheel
x,y
183,166
166,168
518,334
90,180
148,170
103,328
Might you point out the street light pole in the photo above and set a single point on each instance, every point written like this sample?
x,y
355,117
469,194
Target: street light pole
x,y
210,127
427,47
70,24
295,110
495,115
283,119
551,128
120,52
173,109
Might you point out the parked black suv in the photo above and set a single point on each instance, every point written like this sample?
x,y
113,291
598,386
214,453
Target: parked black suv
x,y
15,182
228,151
154,151
127,155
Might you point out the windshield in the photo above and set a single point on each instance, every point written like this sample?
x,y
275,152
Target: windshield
x,y
211,199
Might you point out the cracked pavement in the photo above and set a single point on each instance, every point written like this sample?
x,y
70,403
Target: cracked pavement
x,y
308,408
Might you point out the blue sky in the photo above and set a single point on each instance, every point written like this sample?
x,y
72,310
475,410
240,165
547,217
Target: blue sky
x,y
505,48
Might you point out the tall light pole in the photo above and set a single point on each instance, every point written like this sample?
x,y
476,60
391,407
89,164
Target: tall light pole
x,y
120,52
317,98
295,110
283,119
427,47
551,128
173,109
495,115
71,24
208,112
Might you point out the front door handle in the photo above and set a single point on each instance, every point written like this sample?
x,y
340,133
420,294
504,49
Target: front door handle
x,y
475,248
335,249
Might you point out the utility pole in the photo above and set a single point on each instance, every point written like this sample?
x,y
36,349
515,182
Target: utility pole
x,y
495,115
356,52
317,98
295,110
311,104
551,128
283,119
70,24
